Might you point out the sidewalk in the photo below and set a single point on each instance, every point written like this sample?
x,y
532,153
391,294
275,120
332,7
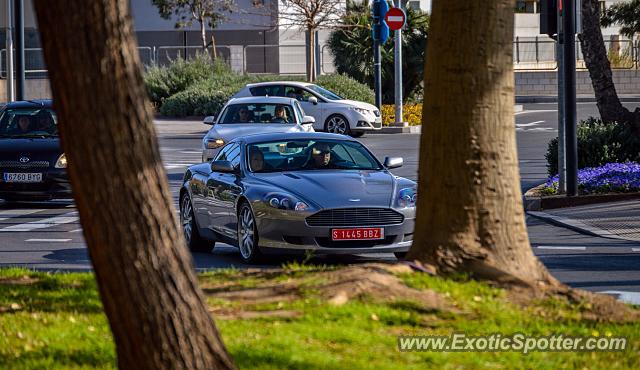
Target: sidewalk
x,y
618,220
580,98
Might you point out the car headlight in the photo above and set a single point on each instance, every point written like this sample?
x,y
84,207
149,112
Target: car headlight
x,y
362,111
285,202
214,143
62,161
407,197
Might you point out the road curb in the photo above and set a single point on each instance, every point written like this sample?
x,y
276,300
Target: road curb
x,y
534,202
532,99
398,130
576,225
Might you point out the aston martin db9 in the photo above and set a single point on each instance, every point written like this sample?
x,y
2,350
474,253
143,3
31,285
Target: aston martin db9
x,y
285,192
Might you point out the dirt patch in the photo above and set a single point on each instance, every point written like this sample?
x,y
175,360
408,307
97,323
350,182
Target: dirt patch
x,y
374,281
24,280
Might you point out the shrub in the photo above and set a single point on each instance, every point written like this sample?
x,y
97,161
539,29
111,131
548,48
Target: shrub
x,y
599,143
162,82
346,87
412,114
195,101
610,178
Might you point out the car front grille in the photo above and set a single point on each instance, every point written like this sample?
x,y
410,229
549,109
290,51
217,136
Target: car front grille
x,y
377,124
355,217
23,166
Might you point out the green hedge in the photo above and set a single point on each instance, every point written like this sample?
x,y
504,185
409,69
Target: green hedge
x,y
198,87
599,143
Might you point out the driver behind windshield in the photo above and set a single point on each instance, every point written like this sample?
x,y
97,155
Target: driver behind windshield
x,y
280,115
23,126
244,116
320,157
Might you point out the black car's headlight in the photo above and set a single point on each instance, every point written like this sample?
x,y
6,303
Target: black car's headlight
x,y
62,161
407,197
285,202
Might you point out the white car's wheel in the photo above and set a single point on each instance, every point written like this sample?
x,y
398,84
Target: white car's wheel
x,y
337,124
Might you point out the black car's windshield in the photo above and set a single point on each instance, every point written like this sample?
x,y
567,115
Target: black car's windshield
x,y
258,113
28,122
324,92
304,155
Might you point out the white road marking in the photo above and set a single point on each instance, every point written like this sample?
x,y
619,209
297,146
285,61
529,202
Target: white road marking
x,y
635,249
76,231
561,248
44,223
624,296
535,111
11,213
529,124
48,240
191,152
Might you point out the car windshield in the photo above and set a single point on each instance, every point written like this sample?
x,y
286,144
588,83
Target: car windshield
x,y
28,122
305,155
258,113
324,92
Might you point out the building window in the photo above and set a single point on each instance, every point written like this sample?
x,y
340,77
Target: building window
x,y
527,6
415,5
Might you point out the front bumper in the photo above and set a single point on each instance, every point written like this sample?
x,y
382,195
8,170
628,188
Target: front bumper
x,y
361,122
282,235
55,185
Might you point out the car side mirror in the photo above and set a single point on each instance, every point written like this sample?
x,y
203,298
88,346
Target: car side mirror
x,y
313,100
222,166
209,120
308,120
393,162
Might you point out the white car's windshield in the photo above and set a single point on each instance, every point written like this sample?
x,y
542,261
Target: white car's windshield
x,y
28,122
306,155
258,113
324,92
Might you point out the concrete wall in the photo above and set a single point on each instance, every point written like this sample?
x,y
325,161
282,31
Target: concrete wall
x,y
34,89
546,83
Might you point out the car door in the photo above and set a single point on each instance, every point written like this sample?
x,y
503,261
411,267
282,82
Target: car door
x,y
222,191
310,109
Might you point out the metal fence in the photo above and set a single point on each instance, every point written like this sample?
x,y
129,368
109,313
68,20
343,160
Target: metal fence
x,y
540,53
533,53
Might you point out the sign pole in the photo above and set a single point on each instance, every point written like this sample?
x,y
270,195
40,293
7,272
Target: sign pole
x,y
19,29
9,47
398,72
562,166
569,27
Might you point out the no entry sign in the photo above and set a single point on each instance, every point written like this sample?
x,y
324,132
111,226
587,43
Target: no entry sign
x,y
395,18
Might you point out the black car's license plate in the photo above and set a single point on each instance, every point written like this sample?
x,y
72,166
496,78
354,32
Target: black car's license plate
x,y
362,233
22,177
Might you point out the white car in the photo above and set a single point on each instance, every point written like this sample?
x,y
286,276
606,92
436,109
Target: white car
x,y
332,113
255,115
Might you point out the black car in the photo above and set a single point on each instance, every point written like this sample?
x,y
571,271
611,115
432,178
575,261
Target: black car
x,y
32,164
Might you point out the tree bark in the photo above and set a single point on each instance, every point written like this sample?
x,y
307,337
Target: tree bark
x,y
470,216
203,35
595,57
150,293
311,65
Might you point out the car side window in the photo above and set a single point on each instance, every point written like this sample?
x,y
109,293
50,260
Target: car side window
x,y
233,155
269,90
297,93
222,154
299,110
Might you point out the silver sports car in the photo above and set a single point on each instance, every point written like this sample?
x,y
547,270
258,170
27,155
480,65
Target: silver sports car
x,y
319,192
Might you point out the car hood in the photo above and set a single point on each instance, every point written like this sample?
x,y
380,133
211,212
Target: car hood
x,y
336,189
229,132
35,149
357,104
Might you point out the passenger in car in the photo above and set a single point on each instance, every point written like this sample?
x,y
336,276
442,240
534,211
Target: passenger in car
x,y
280,115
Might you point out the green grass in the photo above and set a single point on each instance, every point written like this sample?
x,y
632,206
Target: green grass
x,y
57,322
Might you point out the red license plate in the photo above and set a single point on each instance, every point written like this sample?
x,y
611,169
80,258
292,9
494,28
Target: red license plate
x,y
369,233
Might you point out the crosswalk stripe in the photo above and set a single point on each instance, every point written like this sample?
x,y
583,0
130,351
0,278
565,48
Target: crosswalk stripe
x,y
48,240
42,224
11,213
562,248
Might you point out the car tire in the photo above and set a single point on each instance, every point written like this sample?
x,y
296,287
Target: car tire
x,y
337,124
248,235
400,255
195,242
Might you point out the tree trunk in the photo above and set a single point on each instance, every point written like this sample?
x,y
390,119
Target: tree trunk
x,y
203,35
150,293
311,65
470,215
595,57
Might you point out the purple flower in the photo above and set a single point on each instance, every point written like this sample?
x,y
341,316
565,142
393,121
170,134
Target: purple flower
x,y
610,178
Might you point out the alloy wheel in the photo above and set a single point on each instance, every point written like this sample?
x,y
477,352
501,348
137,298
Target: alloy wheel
x,y
186,218
337,125
246,233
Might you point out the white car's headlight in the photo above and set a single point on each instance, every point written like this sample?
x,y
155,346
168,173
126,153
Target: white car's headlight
x,y
407,197
62,161
362,111
285,202
214,143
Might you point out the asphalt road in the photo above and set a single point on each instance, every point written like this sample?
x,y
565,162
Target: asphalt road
x,y
49,235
